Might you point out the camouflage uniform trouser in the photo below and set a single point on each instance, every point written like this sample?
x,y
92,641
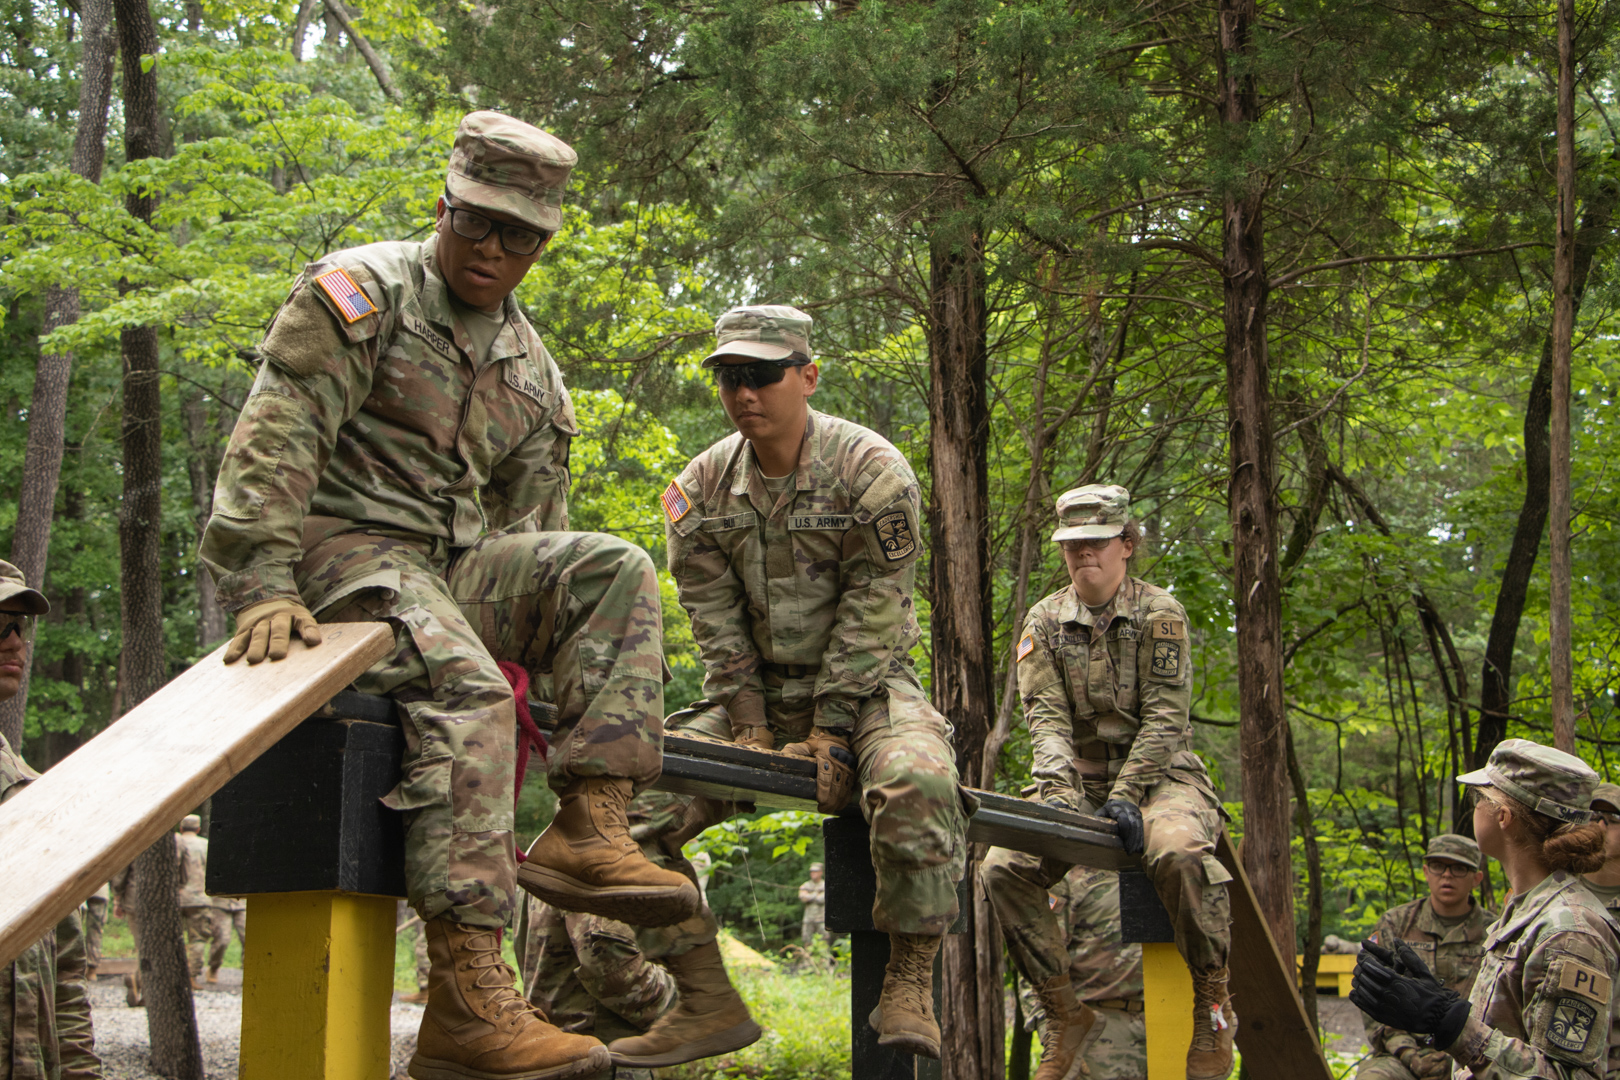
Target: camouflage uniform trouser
x,y
1182,822
1120,1052
95,922
583,607
224,921
909,794
812,928
199,935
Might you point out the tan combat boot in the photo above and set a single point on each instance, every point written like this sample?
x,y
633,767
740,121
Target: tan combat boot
x,y
1214,1024
708,1019
213,975
478,1027
1067,1033
904,1017
587,861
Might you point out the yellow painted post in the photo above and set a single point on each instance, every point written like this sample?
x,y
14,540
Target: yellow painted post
x,y
1168,997
317,985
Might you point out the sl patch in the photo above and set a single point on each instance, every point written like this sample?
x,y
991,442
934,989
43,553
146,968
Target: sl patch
x,y
1026,645
1167,659
895,536
1571,1025
676,504
350,300
1588,982
1169,630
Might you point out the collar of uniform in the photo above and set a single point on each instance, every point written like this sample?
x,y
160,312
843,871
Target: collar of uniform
x,y
1075,611
435,295
1458,931
744,465
1519,911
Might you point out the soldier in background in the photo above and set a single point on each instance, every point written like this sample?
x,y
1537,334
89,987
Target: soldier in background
x,y
126,907
1447,929
794,544
196,906
1605,885
813,895
94,916
403,456
44,1012
228,914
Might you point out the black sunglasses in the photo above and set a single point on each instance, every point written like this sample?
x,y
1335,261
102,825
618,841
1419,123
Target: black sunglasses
x,y
757,374
475,226
21,625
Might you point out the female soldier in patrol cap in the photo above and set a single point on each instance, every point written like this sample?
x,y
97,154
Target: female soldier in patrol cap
x,y
1541,1002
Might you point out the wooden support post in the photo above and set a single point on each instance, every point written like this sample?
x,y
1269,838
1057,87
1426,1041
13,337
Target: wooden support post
x,y
1167,993
317,984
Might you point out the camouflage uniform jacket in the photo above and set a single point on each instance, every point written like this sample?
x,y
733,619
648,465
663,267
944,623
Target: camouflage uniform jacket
x,y
193,871
817,585
1541,1001
1108,697
388,423
813,895
1610,898
1452,949
44,1013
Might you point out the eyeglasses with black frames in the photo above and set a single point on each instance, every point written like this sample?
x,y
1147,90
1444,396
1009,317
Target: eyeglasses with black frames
x,y
470,224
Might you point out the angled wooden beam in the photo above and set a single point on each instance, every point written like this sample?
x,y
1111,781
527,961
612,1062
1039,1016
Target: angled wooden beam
x,y
73,828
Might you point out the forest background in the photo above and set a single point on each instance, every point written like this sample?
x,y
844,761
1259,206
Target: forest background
x,y
1286,264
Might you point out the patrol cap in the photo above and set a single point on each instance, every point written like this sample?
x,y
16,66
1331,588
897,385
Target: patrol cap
x,y
1608,794
1454,848
762,332
191,823
1548,781
503,164
13,586
817,866
1093,512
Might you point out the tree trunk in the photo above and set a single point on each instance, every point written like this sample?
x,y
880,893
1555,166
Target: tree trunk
x,y
171,1020
202,465
47,409
963,669
1495,692
1560,646
1258,596
379,70
1311,947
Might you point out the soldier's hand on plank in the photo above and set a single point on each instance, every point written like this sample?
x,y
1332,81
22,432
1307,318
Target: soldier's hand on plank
x,y
835,767
1128,816
264,630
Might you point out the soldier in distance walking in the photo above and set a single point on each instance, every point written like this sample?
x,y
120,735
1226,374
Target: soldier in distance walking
x,y
404,456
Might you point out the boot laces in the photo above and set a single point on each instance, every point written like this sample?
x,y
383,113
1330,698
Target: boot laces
x,y
913,984
495,976
614,801
1209,1016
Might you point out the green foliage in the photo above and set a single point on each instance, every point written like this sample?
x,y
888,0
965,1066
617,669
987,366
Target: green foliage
x,y
759,862
806,1019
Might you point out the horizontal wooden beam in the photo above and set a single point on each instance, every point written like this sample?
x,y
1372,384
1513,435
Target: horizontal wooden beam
x,y
90,815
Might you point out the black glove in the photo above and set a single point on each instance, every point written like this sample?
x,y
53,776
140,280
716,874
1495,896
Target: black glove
x,y
1128,816
1397,988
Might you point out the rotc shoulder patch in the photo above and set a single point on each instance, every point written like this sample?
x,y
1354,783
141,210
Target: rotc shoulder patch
x,y
895,536
676,504
1167,659
1570,1027
1026,645
349,299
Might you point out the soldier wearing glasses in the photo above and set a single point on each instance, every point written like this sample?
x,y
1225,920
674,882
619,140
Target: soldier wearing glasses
x,y
1605,885
1105,674
404,456
794,547
1447,929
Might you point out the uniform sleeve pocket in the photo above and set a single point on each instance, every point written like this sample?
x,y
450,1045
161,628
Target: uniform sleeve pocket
x,y
427,783
1214,872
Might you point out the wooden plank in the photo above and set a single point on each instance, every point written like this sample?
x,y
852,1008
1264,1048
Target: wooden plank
x,y
1167,997
72,829
317,983
1273,1033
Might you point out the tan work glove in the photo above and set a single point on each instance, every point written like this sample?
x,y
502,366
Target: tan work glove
x,y
265,629
1425,1064
835,767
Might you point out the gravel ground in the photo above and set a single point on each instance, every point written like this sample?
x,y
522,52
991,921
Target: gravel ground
x,y
121,1031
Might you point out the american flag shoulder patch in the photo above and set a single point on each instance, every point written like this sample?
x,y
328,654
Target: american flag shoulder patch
x,y
1026,645
676,504
350,300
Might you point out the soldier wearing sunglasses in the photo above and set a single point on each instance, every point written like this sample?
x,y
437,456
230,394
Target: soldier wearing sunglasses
x,y
794,547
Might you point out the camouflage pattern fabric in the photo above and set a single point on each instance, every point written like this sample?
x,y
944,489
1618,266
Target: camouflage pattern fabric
x,y
500,163
93,916
1451,947
193,871
200,939
380,471
802,609
44,1013
761,331
222,921
1542,1000
1548,781
1609,897
1108,700
813,895
1432,1064
1093,512
1105,972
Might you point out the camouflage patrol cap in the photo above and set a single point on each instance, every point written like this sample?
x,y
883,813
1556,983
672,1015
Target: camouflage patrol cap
x,y
502,164
191,823
762,332
1093,512
13,586
817,866
1608,794
1548,781
1454,848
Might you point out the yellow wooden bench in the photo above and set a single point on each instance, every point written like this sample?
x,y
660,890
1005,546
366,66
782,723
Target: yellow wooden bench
x,y
1333,972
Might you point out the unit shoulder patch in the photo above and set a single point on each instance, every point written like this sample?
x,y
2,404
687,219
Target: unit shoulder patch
x,y
1167,629
1167,659
676,504
1588,982
894,535
1026,645
347,297
1570,1027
